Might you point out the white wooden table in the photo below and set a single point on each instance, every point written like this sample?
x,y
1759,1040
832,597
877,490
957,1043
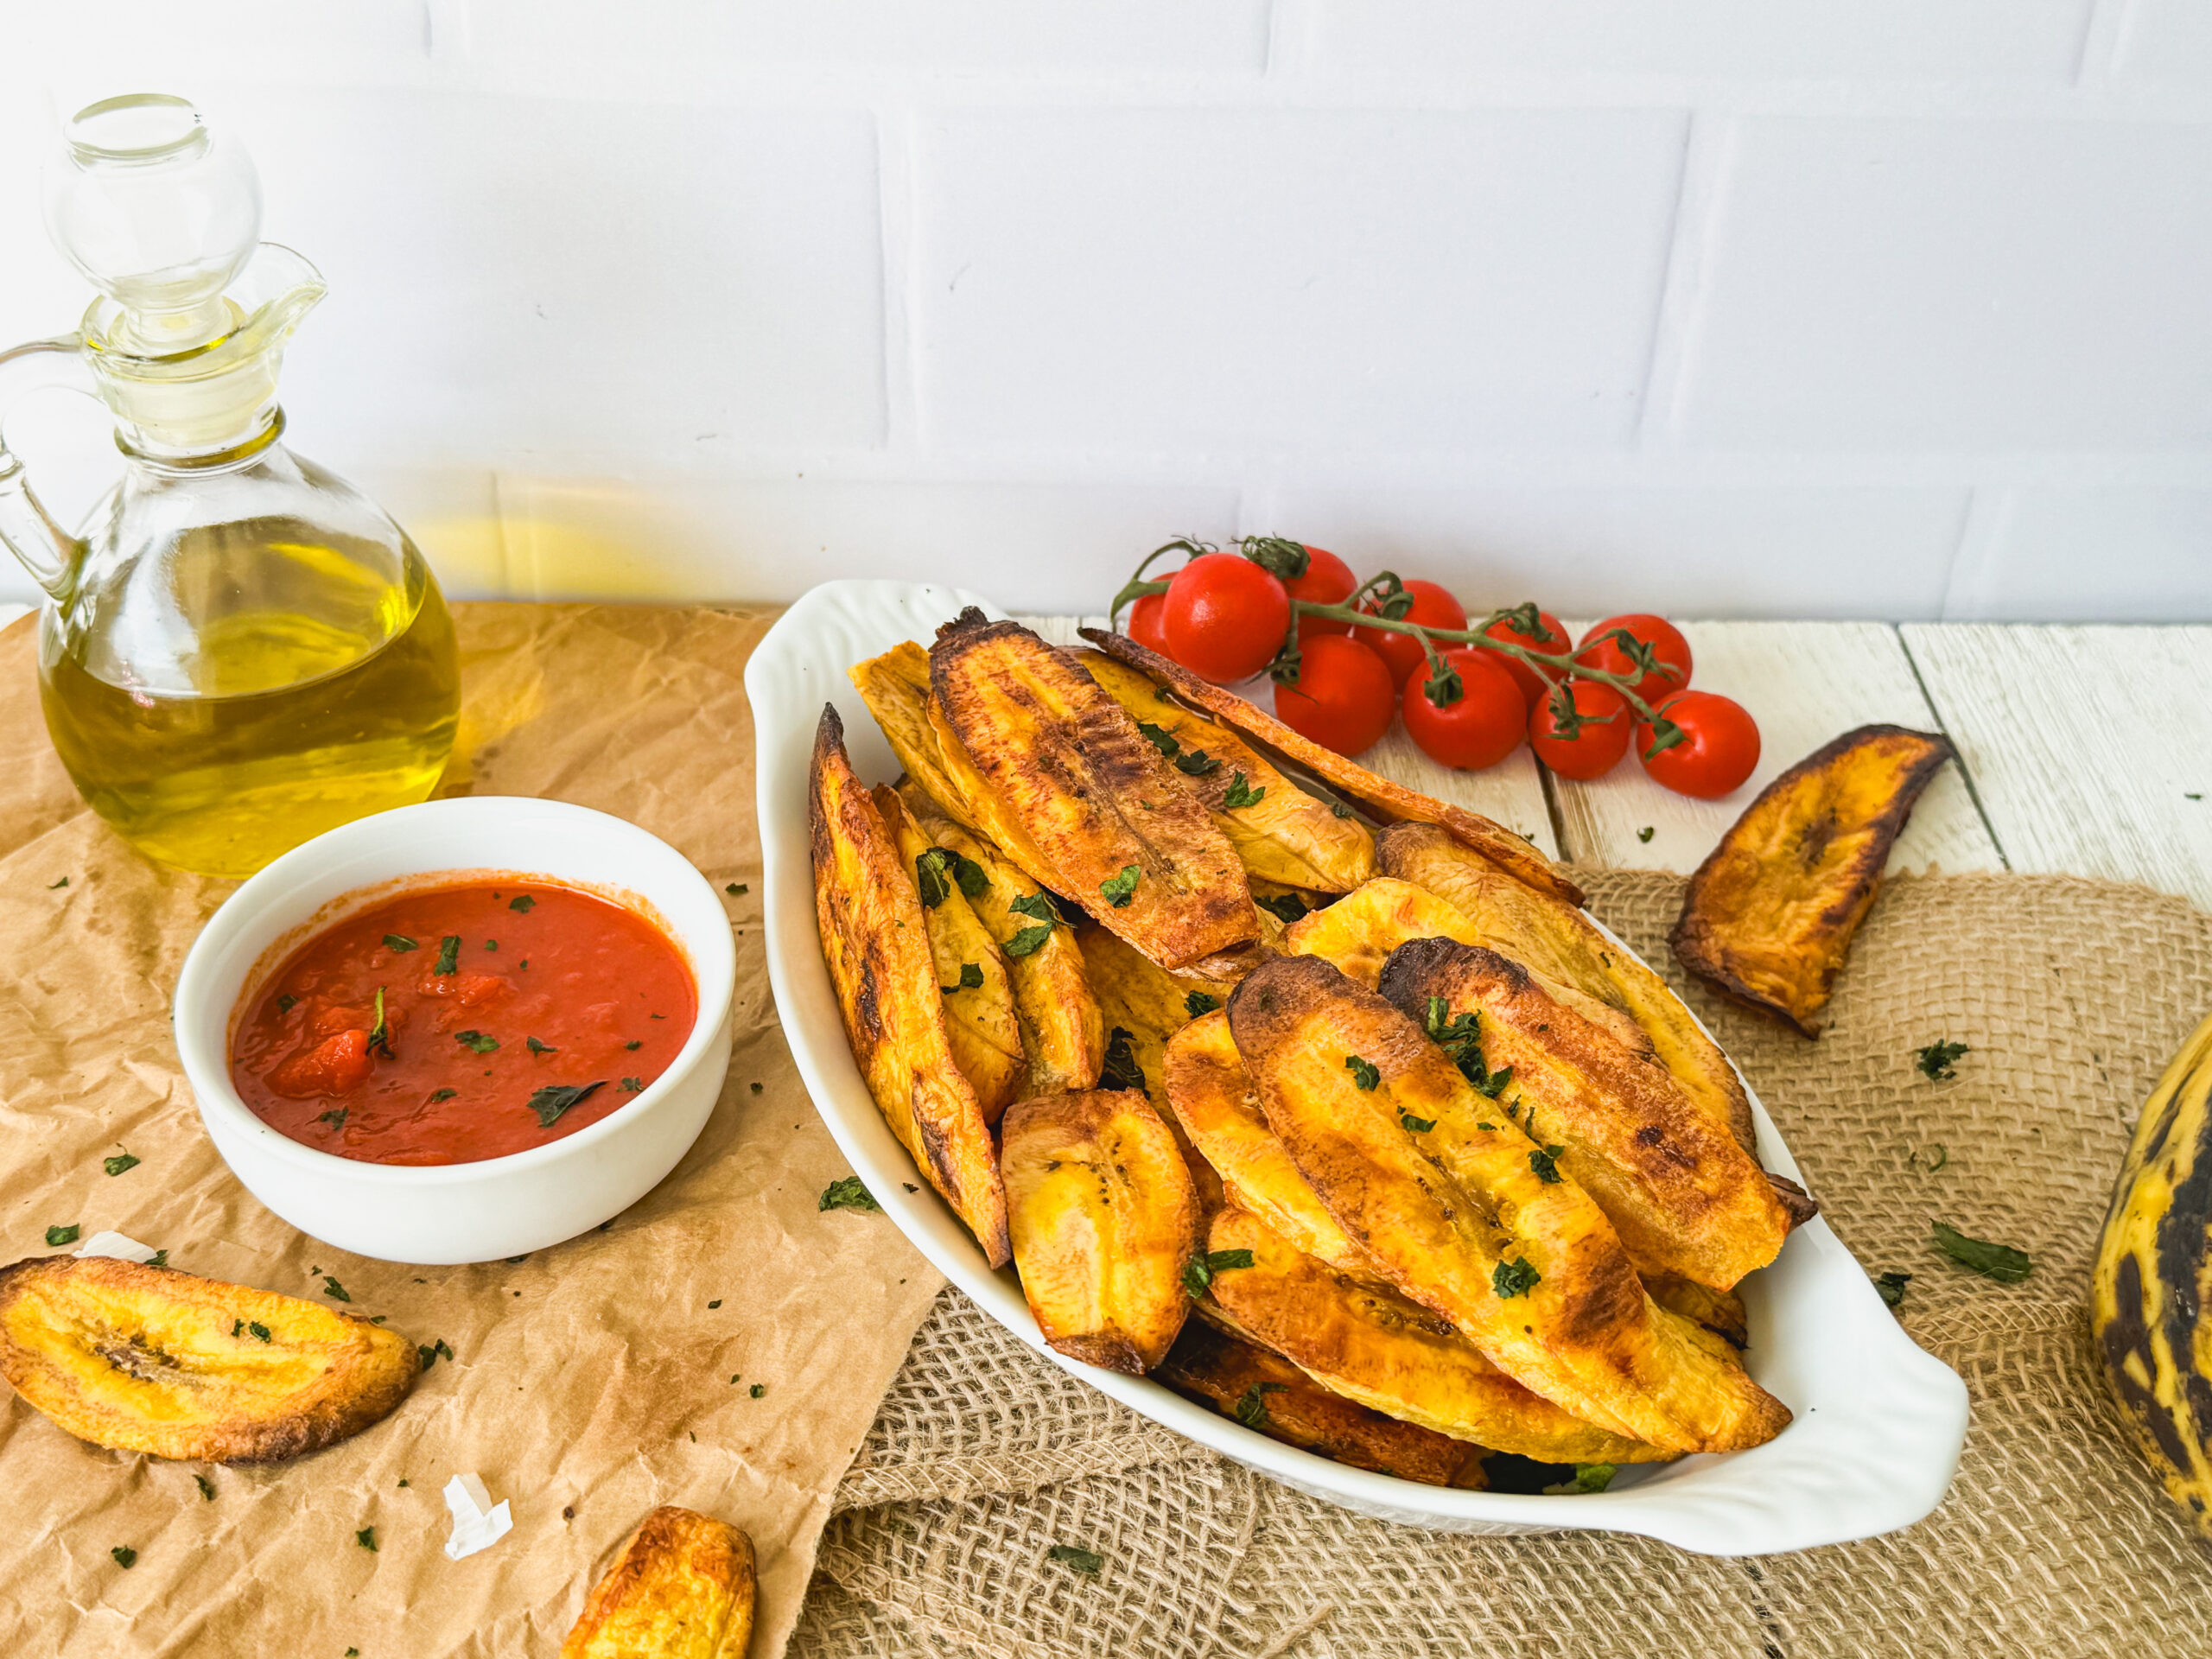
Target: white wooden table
x,y
2081,750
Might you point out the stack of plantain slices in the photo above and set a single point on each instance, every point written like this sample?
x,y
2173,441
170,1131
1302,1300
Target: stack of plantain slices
x,y
1443,1172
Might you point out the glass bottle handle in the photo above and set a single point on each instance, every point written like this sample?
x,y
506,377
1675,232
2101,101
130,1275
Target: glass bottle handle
x,y
47,552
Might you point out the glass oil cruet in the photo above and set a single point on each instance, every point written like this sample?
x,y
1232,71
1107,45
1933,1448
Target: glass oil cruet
x,y
240,650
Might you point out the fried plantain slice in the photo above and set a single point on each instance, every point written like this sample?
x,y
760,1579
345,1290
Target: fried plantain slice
x,y
1359,931
1719,1313
1684,1198
896,688
1374,1347
980,1020
1212,1098
1440,1186
876,945
149,1359
1118,831
682,1588
1141,1004
1770,914
1104,1220
1575,962
1272,1396
1385,799
1060,1032
1281,833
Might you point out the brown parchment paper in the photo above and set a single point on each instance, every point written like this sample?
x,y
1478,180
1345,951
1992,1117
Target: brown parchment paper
x,y
590,1382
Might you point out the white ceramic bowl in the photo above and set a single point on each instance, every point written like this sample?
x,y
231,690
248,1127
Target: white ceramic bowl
x,y
1879,1423
495,1207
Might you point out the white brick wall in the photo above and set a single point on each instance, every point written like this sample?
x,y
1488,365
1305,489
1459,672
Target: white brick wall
x,y
1827,308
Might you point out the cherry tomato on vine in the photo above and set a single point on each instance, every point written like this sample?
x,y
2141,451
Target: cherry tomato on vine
x,y
1600,740
1718,750
1433,606
1343,700
1480,727
1667,644
1328,581
1225,617
1534,682
1146,623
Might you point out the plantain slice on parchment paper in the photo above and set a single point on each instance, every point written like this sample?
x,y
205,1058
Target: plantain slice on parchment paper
x,y
1771,913
1267,1394
1389,801
877,947
683,1587
1281,832
141,1358
1117,831
1437,1183
1685,1198
1374,1347
1104,1220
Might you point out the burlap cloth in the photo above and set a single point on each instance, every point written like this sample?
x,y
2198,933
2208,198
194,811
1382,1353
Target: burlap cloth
x,y
2072,994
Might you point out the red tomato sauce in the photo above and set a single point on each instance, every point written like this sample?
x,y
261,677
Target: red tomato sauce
x,y
512,1016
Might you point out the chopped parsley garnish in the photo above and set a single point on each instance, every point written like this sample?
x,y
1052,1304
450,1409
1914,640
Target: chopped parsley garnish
x,y
125,1557
971,979
717,1302
398,942
260,1330
207,1488
437,1094
1199,1269
335,1118
1251,1408
1544,1161
1460,1036
120,1162
367,1538
1516,1278
847,1192
1120,1069
1120,889
52,886
1197,763
285,1004
1032,937
757,1390
1088,1561
1162,739
57,1236
436,1351
1288,907
158,1259
1939,1060
929,877
1999,1262
1197,1002
448,960
632,1085
477,1040
1415,1125
523,902
1588,1478
1487,1128
491,945
1339,810
1364,1076
1241,793
1035,905
634,1045
537,1047
551,1101
1646,833
737,889
381,1032
333,1289
1890,1286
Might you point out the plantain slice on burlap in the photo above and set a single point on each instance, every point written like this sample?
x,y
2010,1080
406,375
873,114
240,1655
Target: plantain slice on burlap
x,y
1771,913
1445,1192
1104,1220
1117,830
1573,961
1376,1347
1061,1037
141,1358
1270,1395
1280,831
682,1588
1685,1199
876,945
1391,802
972,977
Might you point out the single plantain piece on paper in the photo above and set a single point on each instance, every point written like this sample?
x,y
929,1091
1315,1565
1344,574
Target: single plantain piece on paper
x,y
1281,833
1119,833
1061,1036
1271,1397
1575,962
1684,1198
1374,1347
1441,1187
980,1020
1770,914
1104,1221
682,1588
876,945
149,1359
1389,801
